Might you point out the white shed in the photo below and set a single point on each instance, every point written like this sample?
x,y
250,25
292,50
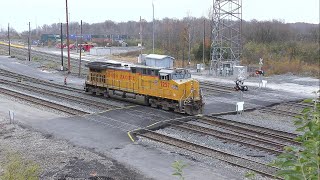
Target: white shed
x,y
100,51
156,60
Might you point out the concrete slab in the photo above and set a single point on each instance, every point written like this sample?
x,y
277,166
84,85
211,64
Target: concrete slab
x,y
90,131
218,107
102,131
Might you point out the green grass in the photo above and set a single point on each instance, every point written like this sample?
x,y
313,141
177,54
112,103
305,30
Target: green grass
x,y
17,168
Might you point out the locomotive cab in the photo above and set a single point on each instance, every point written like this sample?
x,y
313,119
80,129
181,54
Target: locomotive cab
x,y
184,89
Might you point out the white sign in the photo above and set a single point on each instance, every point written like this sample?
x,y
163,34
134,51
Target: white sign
x,y
239,107
261,63
264,83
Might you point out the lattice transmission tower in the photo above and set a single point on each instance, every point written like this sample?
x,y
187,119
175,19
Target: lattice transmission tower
x,y
226,36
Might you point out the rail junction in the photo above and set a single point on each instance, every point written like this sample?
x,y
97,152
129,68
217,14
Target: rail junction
x,y
195,134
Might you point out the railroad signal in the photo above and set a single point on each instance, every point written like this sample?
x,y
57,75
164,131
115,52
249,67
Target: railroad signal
x,y
260,72
240,87
260,61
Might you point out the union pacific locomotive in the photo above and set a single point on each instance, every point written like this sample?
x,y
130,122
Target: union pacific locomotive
x,y
169,89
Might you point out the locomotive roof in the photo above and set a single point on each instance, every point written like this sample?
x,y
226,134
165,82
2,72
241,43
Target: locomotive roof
x,y
102,65
170,71
121,66
146,67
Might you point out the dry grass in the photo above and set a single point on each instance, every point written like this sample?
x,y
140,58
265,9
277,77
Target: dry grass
x,y
294,66
128,59
301,58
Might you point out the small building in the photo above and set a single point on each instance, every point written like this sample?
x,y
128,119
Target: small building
x,y
156,60
100,51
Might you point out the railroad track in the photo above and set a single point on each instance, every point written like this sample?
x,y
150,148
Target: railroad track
x,y
249,141
18,76
253,137
21,77
298,104
251,130
279,112
42,102
215,88
23,54
235,160
24,51
62,96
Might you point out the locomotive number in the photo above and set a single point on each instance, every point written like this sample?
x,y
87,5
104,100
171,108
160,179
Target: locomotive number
x,y
164,84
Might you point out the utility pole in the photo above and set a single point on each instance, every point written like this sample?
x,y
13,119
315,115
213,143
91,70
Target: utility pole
x,y
80,48
183,54
152,28
140,39
68,42
260,69
61,44
189,51
9,39
204,39
29,45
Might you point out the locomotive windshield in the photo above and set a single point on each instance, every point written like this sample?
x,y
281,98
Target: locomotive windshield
x,y
181,74
174,74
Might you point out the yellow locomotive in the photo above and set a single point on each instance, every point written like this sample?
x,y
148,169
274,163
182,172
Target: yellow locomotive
x,y
169,89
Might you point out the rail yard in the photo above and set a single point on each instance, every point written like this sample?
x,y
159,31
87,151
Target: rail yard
x,y
217,90
141,141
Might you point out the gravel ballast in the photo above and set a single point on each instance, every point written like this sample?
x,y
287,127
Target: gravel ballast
x,y
58,158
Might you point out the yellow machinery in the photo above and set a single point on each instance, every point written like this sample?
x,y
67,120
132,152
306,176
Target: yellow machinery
x,y
169,89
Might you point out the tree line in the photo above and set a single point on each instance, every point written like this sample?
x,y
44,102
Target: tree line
x,y
173,36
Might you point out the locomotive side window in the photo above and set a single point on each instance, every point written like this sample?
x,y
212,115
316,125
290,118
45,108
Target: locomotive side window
x,y
139,70
164,77
154,72
144,71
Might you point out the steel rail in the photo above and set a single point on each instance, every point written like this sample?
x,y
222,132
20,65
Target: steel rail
x,y
59,95
43,102
235,160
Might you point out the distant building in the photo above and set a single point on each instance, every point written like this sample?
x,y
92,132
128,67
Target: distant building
x,y
100,51
156,60
49,37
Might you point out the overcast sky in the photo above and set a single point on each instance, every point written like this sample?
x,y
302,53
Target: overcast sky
x,y
39,12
